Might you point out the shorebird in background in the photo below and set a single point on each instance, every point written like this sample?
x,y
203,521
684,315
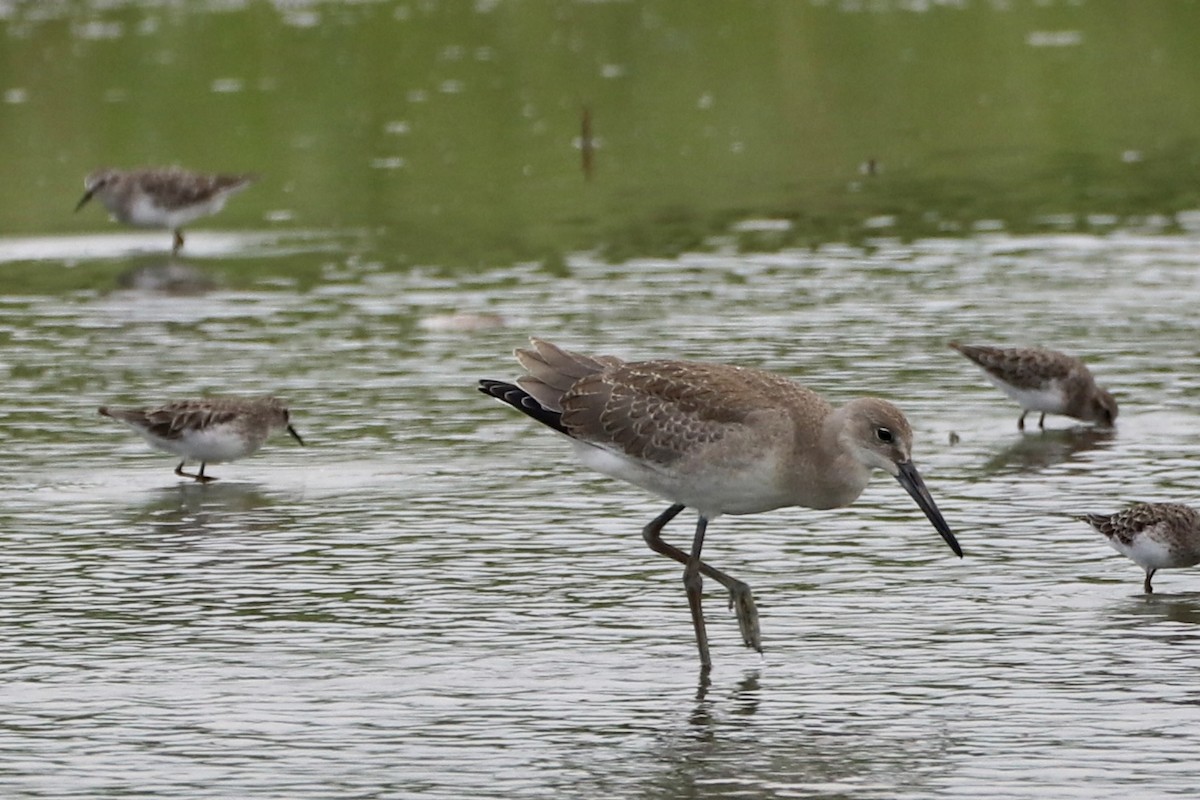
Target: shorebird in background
x,y
161,197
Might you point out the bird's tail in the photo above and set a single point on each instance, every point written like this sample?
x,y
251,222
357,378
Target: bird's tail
x,y
1098,521
524,402
552,371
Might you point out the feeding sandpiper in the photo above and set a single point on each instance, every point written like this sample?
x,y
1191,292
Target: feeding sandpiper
x,y
167,197
1155,535
212,430
1044,380
716,438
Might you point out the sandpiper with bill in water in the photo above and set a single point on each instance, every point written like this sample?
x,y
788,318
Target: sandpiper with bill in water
x,y
1043,380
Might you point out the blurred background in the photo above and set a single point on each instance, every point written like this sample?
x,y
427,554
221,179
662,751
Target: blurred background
x,y
473,134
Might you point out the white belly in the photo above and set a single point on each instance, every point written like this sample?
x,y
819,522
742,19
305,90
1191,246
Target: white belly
x,y
1150,553
145,213
748,489
211,445
1048,398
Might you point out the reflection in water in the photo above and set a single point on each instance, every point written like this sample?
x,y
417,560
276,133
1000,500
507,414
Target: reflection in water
x,y
197,509
1032,452
745,697
166,276
1182,608
831,752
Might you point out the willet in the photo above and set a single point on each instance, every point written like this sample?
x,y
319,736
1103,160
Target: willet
x,y
716,438
166,197
1154,535
1044,380
212,430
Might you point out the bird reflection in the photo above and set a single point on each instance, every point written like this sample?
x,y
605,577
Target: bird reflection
x,y
1037,451
195,509
165,276
1182,608
712,749
745,697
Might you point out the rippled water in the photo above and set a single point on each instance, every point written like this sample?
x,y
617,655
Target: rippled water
x,y
432,600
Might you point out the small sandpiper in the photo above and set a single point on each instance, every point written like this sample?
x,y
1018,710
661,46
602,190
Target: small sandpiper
x,y
212,430
717,438
1044,380
1155,535
167,197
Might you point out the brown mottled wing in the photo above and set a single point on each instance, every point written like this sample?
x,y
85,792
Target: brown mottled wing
x,y
1023,367
1125,524
659,410
176,188
171,420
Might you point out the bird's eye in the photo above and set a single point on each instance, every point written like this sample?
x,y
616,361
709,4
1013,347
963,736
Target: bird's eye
x,y
884,435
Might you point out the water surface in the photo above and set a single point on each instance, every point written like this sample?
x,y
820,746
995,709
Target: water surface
x,y
431,599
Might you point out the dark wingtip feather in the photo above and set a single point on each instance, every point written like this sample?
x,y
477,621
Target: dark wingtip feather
x,y
522,401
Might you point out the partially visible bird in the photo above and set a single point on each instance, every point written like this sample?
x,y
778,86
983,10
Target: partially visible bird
x,y
1154,535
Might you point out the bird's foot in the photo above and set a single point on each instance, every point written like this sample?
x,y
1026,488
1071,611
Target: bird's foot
x,y
741,601
197,477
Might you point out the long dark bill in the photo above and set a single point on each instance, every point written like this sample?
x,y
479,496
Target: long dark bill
x,y
83,200
296,436
910,479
